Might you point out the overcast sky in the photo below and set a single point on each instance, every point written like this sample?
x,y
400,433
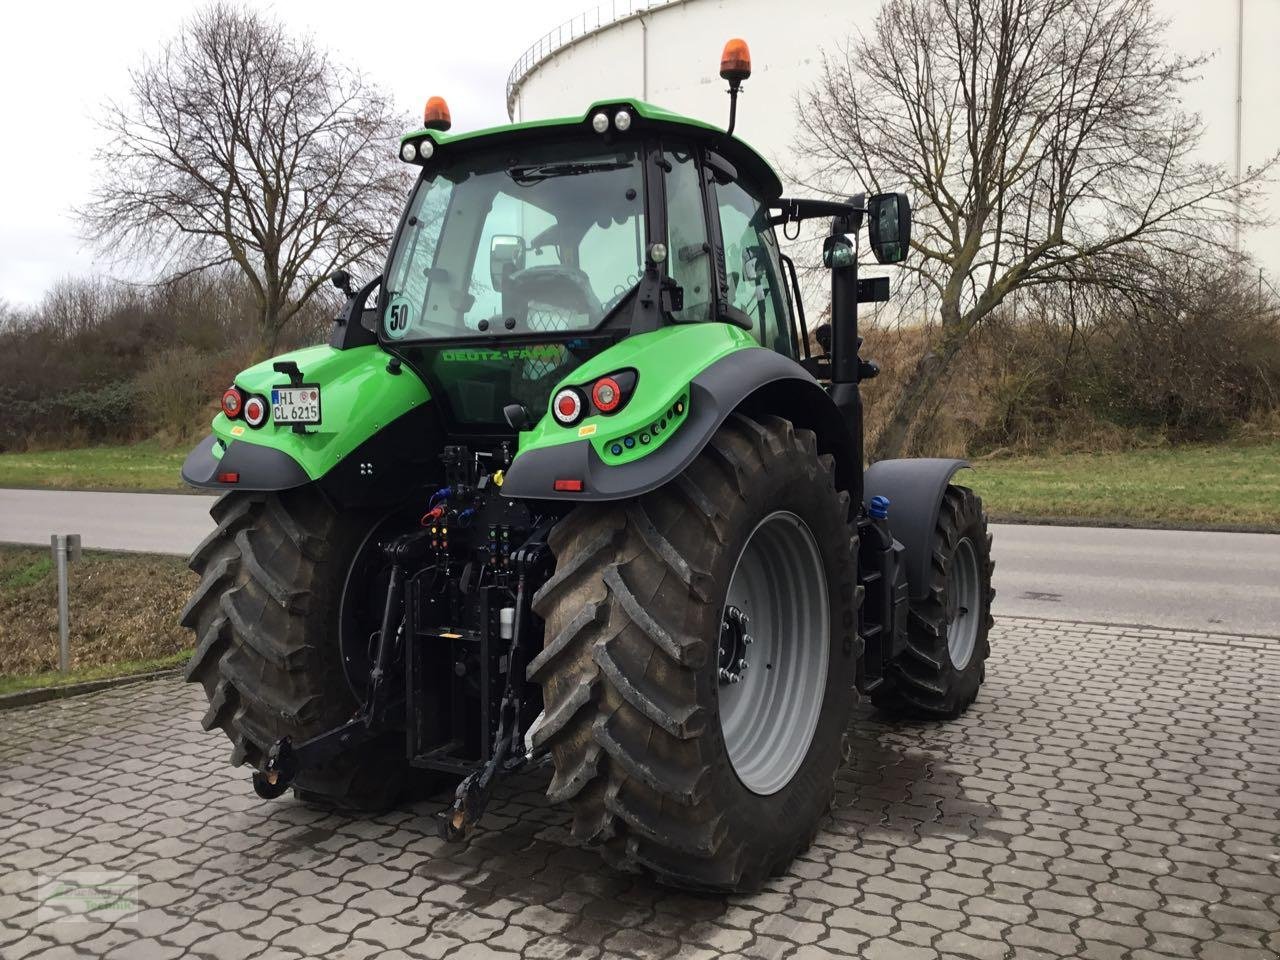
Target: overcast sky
x,y
62,59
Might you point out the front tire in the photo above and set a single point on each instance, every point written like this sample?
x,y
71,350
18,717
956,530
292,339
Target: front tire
x,y
645,743
938,674
265,616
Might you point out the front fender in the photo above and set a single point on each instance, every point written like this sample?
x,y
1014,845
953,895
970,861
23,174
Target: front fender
x,y
914,488
712,369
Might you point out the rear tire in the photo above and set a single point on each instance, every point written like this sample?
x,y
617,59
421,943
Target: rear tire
x,y
938,675
630,669
265,615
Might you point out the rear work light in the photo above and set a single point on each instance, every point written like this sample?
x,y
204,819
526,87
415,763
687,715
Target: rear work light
x,y
255,411
232,402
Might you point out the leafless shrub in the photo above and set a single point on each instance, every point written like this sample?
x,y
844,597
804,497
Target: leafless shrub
x,y
98,362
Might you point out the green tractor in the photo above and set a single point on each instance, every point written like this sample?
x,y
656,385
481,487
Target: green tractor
x,y
572,483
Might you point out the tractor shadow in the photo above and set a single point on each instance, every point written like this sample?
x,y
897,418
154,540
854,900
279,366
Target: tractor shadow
x,y
902,780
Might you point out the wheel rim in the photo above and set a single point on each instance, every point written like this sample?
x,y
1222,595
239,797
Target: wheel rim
x,y
777,620
963,603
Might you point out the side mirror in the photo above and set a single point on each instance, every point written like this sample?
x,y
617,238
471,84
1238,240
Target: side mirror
x,y
889,226
837,252
342,280
506,256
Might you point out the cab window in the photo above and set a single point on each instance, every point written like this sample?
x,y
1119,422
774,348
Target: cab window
x,y
552,243
689,254
509,216
752,268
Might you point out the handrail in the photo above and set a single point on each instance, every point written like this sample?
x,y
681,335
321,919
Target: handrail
x,y
574,29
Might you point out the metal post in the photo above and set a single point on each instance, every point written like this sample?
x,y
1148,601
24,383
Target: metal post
x,y
66,547
64,614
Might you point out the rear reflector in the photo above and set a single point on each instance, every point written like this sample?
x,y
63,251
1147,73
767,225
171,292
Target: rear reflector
x,y
255,411
567,406
228,478
569,486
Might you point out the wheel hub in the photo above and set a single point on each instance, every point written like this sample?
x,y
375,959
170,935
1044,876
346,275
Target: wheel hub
x,y
734,641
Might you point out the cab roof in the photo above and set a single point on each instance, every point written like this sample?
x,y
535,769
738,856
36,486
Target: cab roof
x,y
647,118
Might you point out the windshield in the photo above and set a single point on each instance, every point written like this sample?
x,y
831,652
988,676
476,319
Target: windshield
x,y
548,241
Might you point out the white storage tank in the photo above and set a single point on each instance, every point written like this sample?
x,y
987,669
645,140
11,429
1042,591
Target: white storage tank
x,y
667,52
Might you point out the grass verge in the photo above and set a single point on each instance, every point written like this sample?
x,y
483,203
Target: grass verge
x,y
1223,485
106,671
142,466
124,616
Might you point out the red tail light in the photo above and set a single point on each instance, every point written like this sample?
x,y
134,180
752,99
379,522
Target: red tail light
x,y
606,394
228,478
232,402
569,486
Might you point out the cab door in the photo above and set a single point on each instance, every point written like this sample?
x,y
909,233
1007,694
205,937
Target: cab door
x,y
752,280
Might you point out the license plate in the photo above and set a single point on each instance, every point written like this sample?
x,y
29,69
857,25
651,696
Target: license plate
x,y
295,404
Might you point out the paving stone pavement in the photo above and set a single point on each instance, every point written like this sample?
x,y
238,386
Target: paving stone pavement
x,y
1113,795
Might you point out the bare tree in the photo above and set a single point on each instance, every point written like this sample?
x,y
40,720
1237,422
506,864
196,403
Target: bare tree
x,y
1041,140
240,144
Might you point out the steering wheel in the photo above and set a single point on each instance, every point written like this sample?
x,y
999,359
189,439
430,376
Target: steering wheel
x,y
556,285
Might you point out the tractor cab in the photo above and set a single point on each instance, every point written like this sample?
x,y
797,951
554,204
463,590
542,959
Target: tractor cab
x,y
524,251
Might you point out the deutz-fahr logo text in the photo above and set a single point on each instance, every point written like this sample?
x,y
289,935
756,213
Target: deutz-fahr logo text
x,y
539,351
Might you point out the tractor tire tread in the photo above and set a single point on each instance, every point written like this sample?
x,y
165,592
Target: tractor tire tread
x,y
619,669
266,589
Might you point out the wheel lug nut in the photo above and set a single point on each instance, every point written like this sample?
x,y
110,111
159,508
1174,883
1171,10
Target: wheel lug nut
x,y
748,639
734,678
742,664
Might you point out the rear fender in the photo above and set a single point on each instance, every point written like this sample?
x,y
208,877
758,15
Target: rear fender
x,y
715,369
914,488
373,422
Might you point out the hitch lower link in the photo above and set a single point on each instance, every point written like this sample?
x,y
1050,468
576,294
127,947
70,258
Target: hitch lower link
x,y
284,759
474,792
277,772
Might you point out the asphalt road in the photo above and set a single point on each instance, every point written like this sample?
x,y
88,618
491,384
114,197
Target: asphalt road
x,y
1222,582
